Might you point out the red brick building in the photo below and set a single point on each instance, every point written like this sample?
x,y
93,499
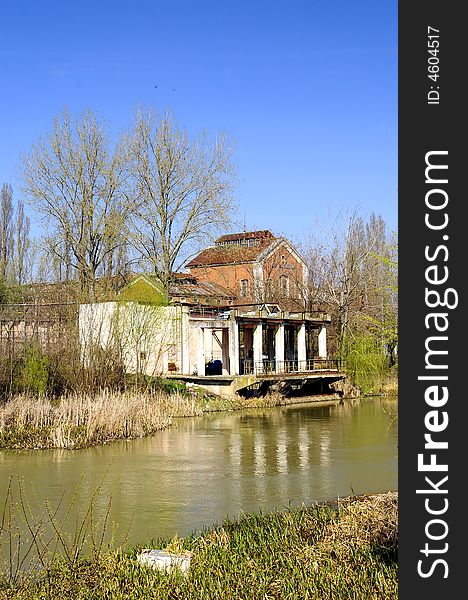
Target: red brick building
x,y
254,267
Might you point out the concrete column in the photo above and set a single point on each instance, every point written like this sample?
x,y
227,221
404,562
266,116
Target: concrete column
x,y
225,351
201,351
233,347
185,341
279,348
322,343
258,347
258,284
301,348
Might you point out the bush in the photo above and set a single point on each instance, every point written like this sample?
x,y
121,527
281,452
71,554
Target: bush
x,y
34,371
366,362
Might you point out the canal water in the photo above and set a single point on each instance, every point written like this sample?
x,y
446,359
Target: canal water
x,y
200,470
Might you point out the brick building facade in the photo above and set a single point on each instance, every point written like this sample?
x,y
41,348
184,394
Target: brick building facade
x,y
253,267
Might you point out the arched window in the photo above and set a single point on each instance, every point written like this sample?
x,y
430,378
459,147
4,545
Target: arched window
x,y
244,288
284,285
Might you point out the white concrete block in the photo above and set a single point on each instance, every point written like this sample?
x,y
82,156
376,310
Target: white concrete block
x,y
164,561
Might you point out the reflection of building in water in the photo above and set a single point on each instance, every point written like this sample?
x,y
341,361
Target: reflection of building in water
x,y
264,445
325,444
281,451
303,445
259,453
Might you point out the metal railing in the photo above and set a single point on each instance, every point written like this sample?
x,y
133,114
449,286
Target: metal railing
x,y
266,367
209,313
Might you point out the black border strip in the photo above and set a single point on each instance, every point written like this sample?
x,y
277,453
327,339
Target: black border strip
x,y
432,120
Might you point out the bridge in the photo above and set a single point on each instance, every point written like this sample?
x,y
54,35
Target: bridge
x,y
259,376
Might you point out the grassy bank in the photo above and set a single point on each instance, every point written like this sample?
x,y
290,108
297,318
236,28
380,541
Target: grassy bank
x,y
77,420
80,420
340,551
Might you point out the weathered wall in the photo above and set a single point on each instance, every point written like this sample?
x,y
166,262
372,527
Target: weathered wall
x,y
228,277
264,277
146,338
282,263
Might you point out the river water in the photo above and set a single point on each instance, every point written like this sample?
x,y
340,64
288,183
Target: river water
x,y
200,470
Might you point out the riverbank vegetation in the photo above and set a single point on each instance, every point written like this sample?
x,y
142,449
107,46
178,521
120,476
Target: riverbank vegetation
x,y
345,549
101,231
354,275
79,420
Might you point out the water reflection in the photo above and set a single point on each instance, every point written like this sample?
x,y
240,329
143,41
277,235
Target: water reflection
x,y
200,470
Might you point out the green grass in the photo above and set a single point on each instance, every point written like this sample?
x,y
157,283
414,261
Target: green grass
x,y
346,551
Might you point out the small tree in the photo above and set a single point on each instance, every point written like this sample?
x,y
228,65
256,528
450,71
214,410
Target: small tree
x,y
34,373
6,229
144,333
383,322
22,244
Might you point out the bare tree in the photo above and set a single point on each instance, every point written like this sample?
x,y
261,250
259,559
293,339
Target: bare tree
x,y
316,257
118,260
6,229
346,275
22,244
184,190
56,261
77,182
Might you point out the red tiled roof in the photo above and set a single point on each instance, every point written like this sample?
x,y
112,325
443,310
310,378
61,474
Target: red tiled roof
x,y
245,235
204,289
229,249
228,255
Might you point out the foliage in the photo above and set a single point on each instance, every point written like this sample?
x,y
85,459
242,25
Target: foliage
x,y
144,291
347,551
3,291
366,362
168,386
34,371
383,322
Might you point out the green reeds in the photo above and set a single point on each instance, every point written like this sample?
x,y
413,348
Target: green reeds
x,y
329,552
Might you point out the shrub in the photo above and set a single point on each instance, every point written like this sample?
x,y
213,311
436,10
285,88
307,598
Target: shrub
x,y
34,371
366,362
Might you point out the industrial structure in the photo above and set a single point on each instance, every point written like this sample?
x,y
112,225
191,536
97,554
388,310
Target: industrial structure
x,y
236,319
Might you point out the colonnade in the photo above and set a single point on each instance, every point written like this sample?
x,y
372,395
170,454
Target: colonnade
x,y
279,345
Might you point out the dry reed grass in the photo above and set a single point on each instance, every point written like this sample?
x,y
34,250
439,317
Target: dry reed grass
x,y
390,387
363,521
78,420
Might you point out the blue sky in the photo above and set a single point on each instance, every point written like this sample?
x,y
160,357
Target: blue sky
x,y
308,89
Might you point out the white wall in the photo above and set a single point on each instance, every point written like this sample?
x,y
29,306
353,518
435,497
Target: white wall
x,y
146,337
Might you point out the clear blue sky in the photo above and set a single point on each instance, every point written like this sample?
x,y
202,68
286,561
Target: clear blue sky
x,y
308,89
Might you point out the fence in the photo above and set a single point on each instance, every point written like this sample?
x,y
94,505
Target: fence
x,y
267,367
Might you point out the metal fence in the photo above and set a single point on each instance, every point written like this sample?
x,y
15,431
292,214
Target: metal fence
x,y
266,367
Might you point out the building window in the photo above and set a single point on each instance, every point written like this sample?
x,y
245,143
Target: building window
x,y
244,288
284,284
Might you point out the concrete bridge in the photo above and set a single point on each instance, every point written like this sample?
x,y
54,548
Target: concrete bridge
x,y
261,376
